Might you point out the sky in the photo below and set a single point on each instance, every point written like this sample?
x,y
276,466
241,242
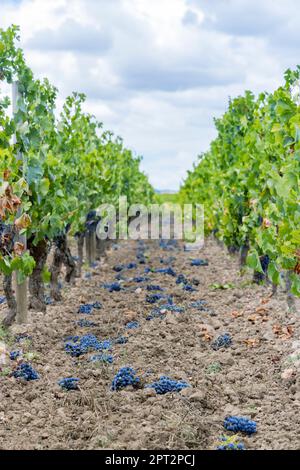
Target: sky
x,y
157,72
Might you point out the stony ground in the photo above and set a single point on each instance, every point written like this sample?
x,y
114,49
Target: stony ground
x,y
257,377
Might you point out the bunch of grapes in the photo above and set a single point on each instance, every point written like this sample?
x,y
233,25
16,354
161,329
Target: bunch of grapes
x,y
181,279
153,287
85,309
25,371
199,262
171,308
230,443
140,255
223,341
265,261
153,298
70,383
169,271
189,288
131,266
20,337
114,287
132,325
88,308
121,340
77,346
92,220
48,300
148,270
105,358
118,268
14,355
125,377
166,385
259,277
140,279
240,424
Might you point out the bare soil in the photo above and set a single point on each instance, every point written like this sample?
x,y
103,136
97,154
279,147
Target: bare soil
x,y
257,377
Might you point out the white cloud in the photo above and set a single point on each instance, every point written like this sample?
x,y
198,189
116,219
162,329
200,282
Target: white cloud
x,y
157,72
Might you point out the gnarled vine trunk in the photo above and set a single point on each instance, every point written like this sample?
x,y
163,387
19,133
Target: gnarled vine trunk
x,y
36,285
80,245
62,255
11,301
244,254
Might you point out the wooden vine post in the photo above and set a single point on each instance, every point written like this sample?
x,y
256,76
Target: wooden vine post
x,y
21,288
90,247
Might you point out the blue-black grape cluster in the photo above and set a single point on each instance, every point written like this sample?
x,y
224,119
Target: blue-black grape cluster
x,y
85,309
153,298
88,308
25,371
161,311
170,271
131,266
259,277
105,358
153,287
181,279
120,267
125,377
92,220
223,341
48,300
166,385
172,308
140,255
69,383
189,288
148,270
140,279
226,444
121,340
132,325
20,337
265,261
114,287
76,346
14,355
83,323
199,262
240,424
